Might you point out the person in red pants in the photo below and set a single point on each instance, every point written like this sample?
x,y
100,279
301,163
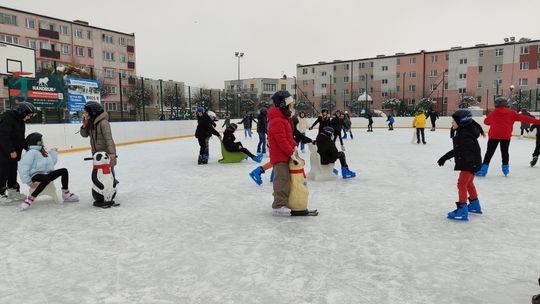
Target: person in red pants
x,y
468,159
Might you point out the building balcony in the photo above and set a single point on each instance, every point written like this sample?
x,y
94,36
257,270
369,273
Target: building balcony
x,y
131,49
49,54
131,65
49,34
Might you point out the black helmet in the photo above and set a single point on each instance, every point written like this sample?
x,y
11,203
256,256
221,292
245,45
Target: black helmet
x,y
501,102
462,117
263,111
279,98
25,108
93,108
34,139
328,130
233,126
323,110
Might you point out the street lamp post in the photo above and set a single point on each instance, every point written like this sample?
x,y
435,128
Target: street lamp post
x,y
238,55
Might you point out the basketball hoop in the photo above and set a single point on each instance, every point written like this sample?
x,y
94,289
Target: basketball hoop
x,y
19,74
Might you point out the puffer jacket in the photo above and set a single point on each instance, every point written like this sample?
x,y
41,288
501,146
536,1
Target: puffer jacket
x,y
33,162
419,121
12,129
280,136
501,122
466,152
100,134
327,149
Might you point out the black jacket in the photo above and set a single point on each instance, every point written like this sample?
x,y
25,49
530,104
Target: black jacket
x,y
433,115
247,121
262,124
228,141
299,137
466,152
205,127
337,124
322,123
12,129
369,117
326,149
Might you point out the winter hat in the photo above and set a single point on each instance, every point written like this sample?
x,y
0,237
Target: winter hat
x,y
263,111
328,130
462,117
93,108
25,108
501,102
233,126
199,110
282,99
34,139
324,110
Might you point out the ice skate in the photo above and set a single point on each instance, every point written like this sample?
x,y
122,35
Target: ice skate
x,y
14,194
256,175
474,206
258,158
67,196
346,173
534,160
283,211
27,202
505,170
460,214
483,171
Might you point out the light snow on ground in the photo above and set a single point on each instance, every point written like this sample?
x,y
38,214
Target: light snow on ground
x,y
205,234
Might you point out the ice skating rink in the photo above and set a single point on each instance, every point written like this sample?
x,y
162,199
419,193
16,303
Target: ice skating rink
x,y
205,234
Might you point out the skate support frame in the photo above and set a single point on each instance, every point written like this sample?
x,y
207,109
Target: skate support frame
x,y
319,172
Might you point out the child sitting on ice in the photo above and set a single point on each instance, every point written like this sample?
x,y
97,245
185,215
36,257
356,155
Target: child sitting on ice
x,y
326,148
468,160
37,166
231,146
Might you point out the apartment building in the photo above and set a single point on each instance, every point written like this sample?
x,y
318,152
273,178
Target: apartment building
x,y
482,71
262,88
107,55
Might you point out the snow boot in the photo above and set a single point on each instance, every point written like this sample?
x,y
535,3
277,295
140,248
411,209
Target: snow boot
x,y
474,206
483,171
505,170
258,158
256,175
534,160
283,211
200,160
461,213
272,176
27,202
346,173
69,197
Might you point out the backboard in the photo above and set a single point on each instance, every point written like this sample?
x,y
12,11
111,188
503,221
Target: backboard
x,y
15,58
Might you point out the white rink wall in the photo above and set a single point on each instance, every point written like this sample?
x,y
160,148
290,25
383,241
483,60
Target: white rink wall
x,y
67,137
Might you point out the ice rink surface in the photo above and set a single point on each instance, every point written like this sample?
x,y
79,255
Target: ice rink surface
x,y
205,234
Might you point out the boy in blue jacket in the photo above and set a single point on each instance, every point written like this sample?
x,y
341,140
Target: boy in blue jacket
x,y
37,166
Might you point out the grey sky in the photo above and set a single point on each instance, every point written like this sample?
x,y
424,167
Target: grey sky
x,y
195,41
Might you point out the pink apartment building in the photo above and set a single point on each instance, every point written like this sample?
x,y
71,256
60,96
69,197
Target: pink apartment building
x,y
445,76
107,54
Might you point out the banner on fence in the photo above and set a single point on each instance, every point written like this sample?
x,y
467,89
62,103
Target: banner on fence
x,y
44,91
81,91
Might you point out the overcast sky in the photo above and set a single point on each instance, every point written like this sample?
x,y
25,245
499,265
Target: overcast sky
x,y
195,41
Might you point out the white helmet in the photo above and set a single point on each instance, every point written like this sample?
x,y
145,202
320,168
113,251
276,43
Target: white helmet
x,y
212,115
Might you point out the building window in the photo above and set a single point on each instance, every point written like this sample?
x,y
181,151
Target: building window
x,y
462,76
498,68
371,77
78,33
107,39
538,81
323,74
384,94
111,106
434,58
371,90
445,72
312,70
462,90
304,83
335,79
362,78
479,83
433,86
523,82
499,52
524,50
32,43
323,85
122,40
109,73
108,56
90,52
335,92
410,102
398,61
122,57
433,73
412,60
524,65
79,51
361,65
412,74
371,64
398,74
112,91
445,100
463,61
497,83
304,71
412,88
446,85
480,69
64,30
89,35
269,87
9,39
65,49
346,79
480,53
385,68
346,92
384,81
44,45
346,67
335,68
447,56
30,23
398,88
8,19
538,62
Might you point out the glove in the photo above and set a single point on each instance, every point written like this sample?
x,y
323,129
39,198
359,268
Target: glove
x,y
293,157
310,128
441,161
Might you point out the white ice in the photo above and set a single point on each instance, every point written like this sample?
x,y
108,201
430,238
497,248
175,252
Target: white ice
x,y
204,234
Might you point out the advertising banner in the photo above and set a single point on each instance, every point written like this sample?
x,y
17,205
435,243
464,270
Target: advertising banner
x,y
81,91
44,91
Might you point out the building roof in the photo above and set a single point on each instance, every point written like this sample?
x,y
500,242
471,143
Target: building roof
x,y
67,21
478,46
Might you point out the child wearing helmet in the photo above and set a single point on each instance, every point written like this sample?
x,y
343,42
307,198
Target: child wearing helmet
x,y
205,130
12,142
468,159
232,146
326,147
37,166
323,120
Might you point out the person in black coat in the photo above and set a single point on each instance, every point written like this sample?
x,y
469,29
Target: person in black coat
x,y
247,121
369,117
12,142
468,160
205,130
262,130
232,146
328,152
433,116
337,124
323,120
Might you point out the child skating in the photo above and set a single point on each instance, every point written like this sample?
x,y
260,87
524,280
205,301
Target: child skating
x,y
232,146
419,123
468,159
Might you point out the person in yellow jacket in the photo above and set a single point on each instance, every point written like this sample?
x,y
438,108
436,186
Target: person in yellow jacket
x,y
419,123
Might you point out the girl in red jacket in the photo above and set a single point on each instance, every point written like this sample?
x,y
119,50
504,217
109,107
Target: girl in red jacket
x,y
501,122
282,147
